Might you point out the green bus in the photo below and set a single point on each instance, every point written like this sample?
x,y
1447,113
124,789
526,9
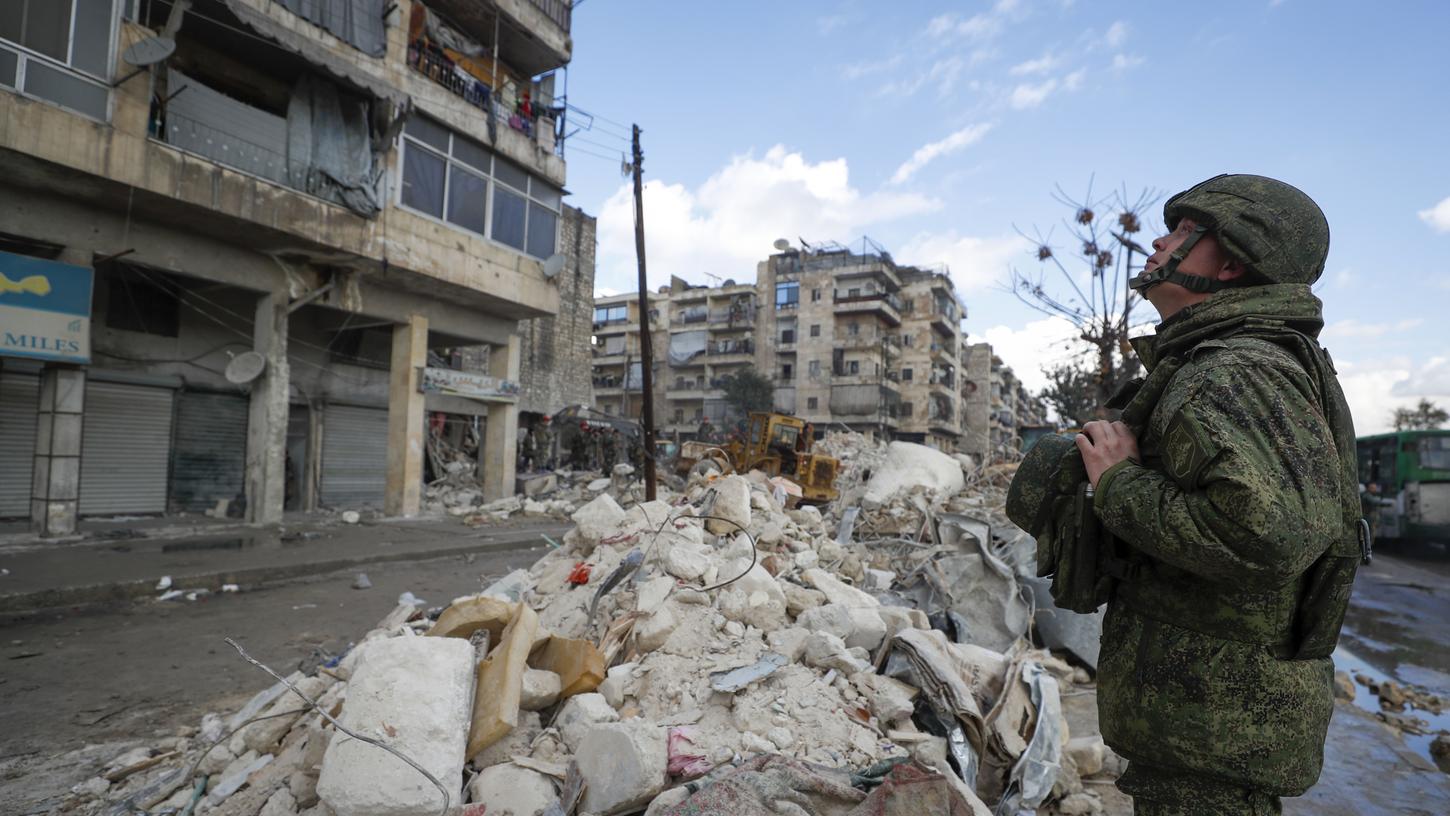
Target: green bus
x,y
1406,480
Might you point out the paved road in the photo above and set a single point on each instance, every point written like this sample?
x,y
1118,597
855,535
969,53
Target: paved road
x,y
104,676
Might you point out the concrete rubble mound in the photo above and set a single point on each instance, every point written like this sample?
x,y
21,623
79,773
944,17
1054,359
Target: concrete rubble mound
x,y
872,658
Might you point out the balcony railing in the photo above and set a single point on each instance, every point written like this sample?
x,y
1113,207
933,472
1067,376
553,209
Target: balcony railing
x,y
691,318
560,11
732,316
731,347
437,66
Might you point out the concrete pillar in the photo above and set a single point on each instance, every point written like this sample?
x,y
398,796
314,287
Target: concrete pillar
x,y
56,473
266,477
405,418
501,434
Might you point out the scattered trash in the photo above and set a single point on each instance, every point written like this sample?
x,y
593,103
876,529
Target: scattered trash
x,y
736,679
579,576
164,584
362,581
231,588
351,517
409,599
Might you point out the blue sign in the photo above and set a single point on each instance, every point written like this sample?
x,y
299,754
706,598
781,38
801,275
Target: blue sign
x,y
45,309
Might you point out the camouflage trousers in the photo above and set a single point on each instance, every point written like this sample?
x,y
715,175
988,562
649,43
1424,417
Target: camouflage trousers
x,y
1163,792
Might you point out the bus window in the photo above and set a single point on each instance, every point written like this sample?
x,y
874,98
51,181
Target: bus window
x,y
1435,453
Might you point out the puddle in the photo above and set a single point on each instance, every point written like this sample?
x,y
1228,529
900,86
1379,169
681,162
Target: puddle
x,y
1347,661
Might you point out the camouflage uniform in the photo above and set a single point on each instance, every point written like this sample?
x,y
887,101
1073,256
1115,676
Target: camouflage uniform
x,y
1213,683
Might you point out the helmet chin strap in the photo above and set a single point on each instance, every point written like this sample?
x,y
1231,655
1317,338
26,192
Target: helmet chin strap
x,y
1168,272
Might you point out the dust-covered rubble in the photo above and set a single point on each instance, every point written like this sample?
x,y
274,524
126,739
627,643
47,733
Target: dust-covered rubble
x,y
709,632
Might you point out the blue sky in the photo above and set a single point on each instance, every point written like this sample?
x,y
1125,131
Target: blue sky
x,y
939,129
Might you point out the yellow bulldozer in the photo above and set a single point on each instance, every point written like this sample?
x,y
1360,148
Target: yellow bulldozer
x,y
775,444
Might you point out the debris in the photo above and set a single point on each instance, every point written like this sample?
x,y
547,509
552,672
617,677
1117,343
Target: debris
x,y
578,663
362,581
411,694
231,588
580,714
623,765
731,510
164,584
465,616
682,763
579,576
736,679
539,690
510,790
1343,686
351,517
409,599
500,681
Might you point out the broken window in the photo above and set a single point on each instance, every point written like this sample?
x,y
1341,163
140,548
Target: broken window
x,y
140,301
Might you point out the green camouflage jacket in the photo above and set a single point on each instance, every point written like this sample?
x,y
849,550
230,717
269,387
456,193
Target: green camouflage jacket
x,y
1246,480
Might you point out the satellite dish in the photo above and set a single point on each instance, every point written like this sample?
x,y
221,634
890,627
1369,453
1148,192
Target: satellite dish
x,y
781,244
245,367
554,265
149,51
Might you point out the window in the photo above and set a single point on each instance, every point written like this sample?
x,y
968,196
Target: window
x,y
787,295
812,403
906,340
815,330
854,329
787,371
903,410
853,293
787,336
63,54
906,374
815,296
611,314
679,415
813,368
450,177
854,367
138,302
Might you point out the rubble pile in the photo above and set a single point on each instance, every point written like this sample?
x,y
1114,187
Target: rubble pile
x,y
712,651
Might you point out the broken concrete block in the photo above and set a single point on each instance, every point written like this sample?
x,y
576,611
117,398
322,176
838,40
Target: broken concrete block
x,y
909,466
1343,686
753,743
235,776
781,738
789,642
651,631
879,580
732,503
581,713
889,698
93,787
832,618
623,765
536,485
826,651
652,593
216,761
262,736
500,681
1088,753
1080,804
508,790
598,519
517,742
867,629
837,591
540,690
616,684
798,598
756,579
807,559
667,800
685,563
413,694
280,803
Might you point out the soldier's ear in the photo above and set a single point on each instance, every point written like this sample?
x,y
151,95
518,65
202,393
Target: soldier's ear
x,y
1231,270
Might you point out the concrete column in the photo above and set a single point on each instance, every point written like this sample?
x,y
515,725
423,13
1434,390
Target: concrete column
x,y
501,435
266,483
56,474
405,418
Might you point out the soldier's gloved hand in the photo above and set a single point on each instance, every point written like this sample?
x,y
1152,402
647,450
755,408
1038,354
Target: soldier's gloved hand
x,y
1104,444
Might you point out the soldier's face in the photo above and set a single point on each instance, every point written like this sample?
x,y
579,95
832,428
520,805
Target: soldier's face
x,y
1207,259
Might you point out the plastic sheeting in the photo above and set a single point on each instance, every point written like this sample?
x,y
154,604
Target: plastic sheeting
x,y
684,346
358,23
329,146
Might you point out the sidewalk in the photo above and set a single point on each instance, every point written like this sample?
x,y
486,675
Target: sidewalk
x,y
46,574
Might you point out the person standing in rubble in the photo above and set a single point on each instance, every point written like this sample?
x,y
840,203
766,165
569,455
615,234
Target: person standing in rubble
x,y
1232,483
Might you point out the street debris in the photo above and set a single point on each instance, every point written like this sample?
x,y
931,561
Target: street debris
x,y
362,581
720,636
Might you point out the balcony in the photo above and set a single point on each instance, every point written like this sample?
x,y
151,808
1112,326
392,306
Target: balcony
x,y
944,324
878,304
532,35
690,317
469,81
733,317
624,326
730,348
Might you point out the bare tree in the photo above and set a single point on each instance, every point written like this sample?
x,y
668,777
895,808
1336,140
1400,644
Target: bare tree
x,y
1427,416
1093,293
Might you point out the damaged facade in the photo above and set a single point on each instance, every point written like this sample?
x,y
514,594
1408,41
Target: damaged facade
x,y
340,188
847,338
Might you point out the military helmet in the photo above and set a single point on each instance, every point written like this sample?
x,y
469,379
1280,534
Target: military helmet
x,y
1272,228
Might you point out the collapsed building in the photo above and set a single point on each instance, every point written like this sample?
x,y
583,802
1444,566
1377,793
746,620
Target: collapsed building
x,y
719,650
242,234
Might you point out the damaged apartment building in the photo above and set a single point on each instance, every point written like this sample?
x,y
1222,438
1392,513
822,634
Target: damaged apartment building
x,y
850,339
236,234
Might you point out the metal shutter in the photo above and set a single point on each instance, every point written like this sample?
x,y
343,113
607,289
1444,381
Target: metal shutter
x,y
210,457
354,456
19,399
125,448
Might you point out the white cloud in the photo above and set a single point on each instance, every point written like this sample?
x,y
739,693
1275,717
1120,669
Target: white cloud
x,y
726,225
860,69
924,155
975,262
1041,65
1438,216
976,27
1375,388
1345,277
1122,62
1039,345
1073,81
605,291
943,73
1117,34
828,24
1356,329
1030,96
1431,379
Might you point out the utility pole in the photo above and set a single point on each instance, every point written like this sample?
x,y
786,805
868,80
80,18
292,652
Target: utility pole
x,y
645,353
